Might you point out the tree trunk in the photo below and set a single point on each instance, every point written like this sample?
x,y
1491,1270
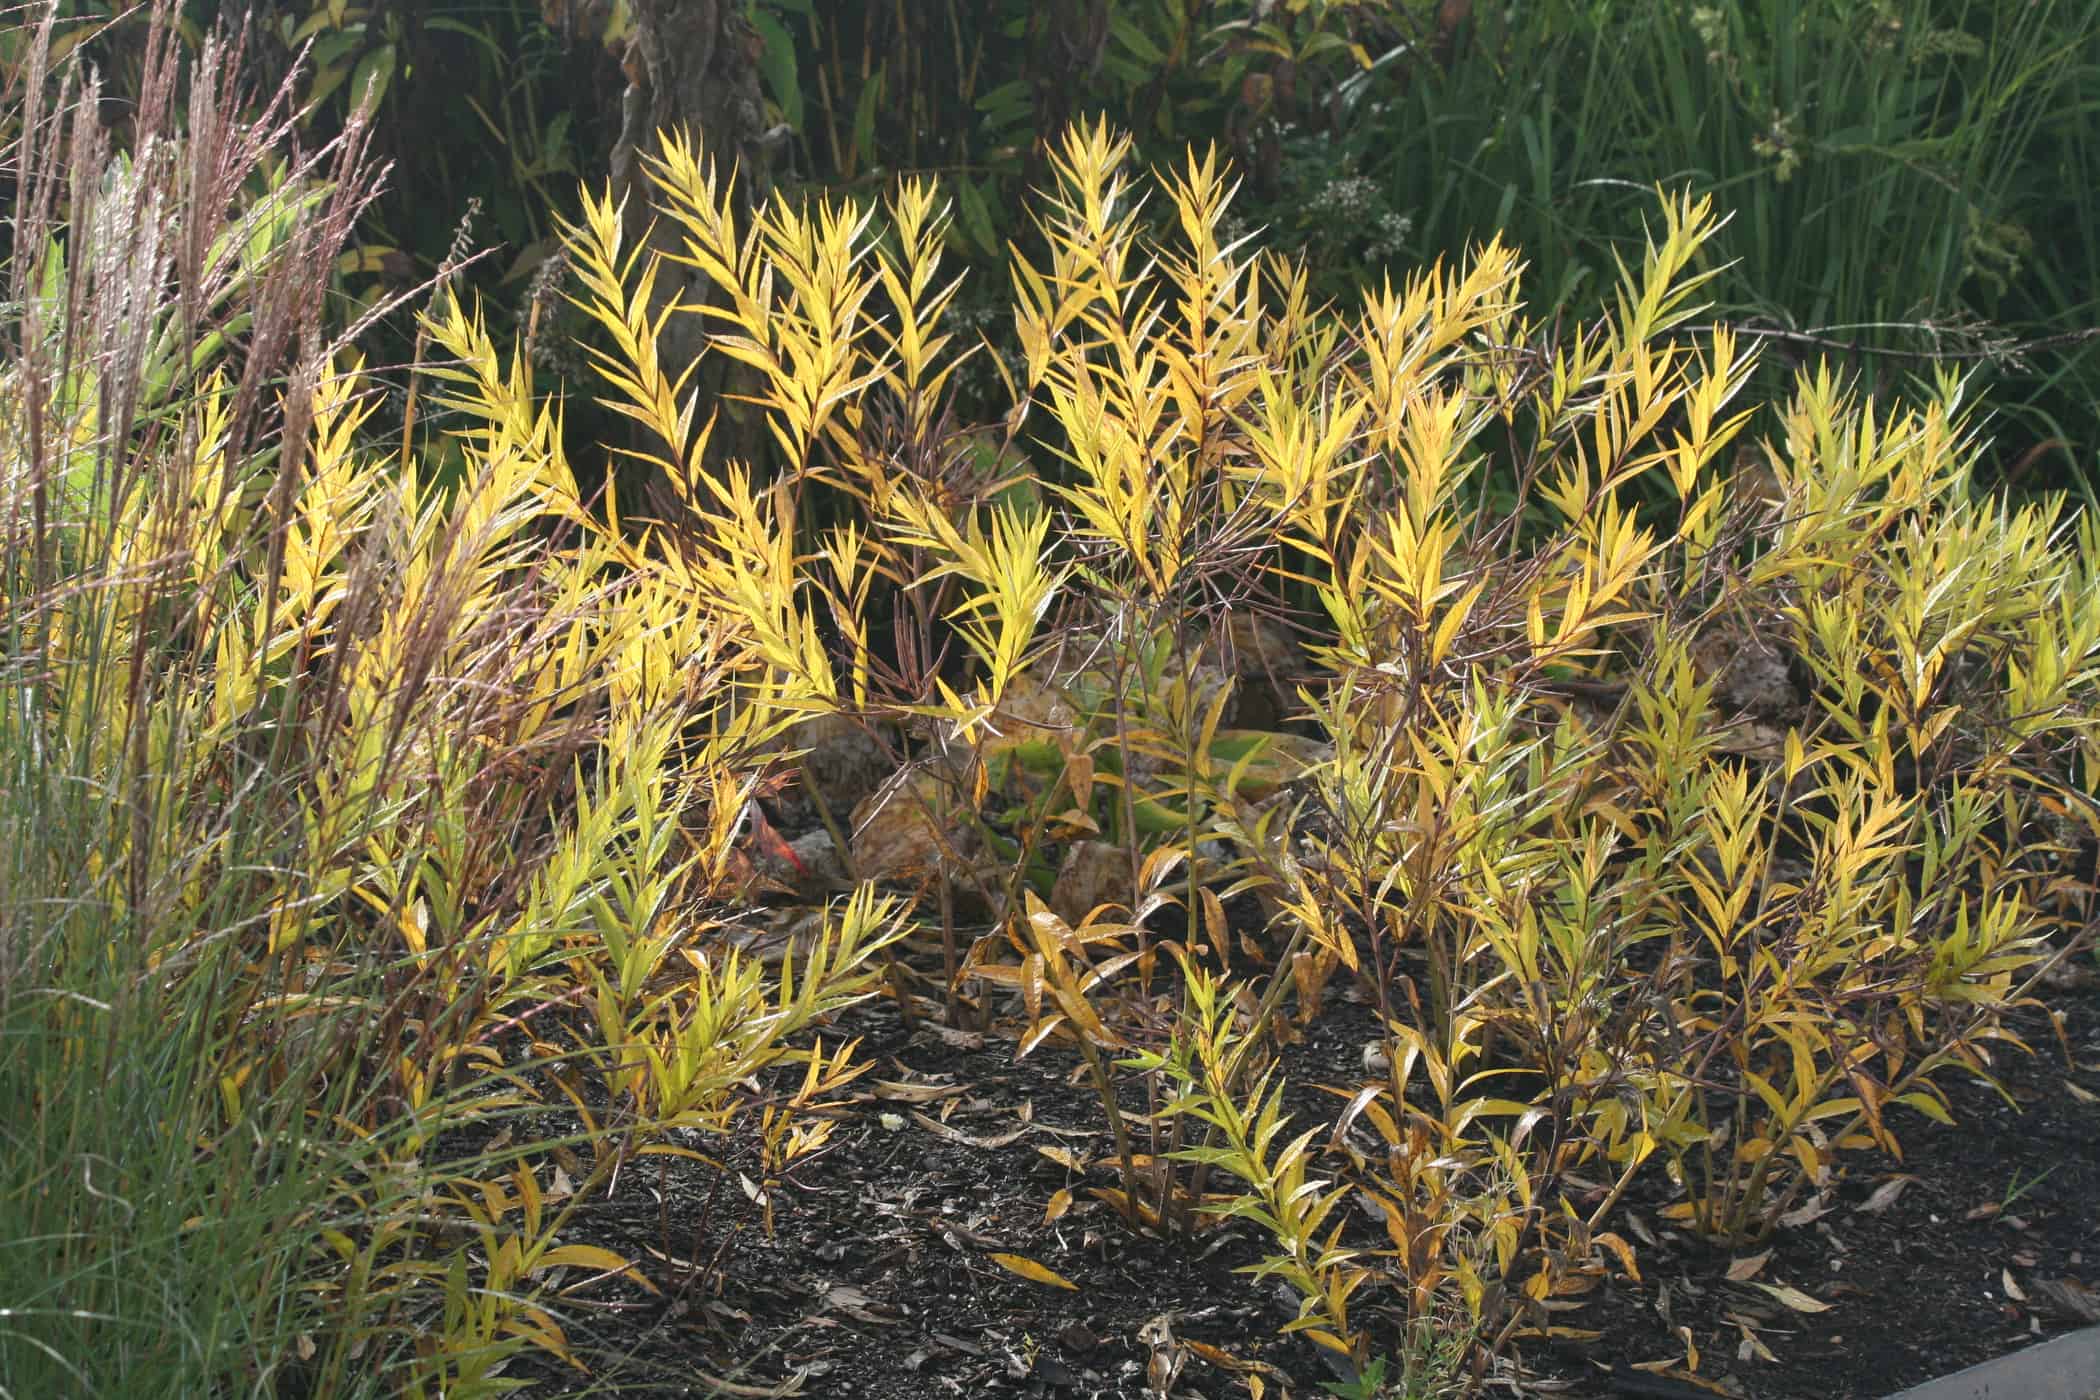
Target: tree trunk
x,y
692,67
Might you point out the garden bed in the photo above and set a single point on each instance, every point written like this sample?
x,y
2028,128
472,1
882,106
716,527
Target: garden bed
x,y
879,1279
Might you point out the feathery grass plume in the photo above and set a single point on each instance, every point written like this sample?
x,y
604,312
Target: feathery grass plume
x,y
353,812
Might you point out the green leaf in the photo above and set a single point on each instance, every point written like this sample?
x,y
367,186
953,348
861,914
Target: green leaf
x,y
479,36
1136,40
975,216
778,67
1007,98
864,119
375,73
327,78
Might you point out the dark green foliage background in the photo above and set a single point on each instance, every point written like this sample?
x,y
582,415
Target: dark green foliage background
x,y
1908,178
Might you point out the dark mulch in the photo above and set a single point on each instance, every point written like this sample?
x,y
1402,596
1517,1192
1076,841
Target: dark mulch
x,y
877,1280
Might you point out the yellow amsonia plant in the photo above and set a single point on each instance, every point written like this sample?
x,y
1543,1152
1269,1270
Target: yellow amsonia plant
x,y
1683,800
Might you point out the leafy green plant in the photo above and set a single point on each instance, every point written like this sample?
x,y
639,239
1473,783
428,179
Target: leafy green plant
x,y
1206,1066
1429,1369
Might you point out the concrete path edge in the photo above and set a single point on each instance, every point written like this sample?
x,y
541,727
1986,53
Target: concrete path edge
x,y
2063,1368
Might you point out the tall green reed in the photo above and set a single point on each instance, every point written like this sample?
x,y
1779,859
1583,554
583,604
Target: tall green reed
x,y
1906,178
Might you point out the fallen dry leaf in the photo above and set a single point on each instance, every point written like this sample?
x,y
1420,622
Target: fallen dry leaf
x,y
846,1299
1802,1215
1094,873
909,831
1164,1365
1035,1273
1743,1270
1884,1195
953,1038
1226,1361
916,1093
1752,1345
1793,1297
961,1138
1071,1161
1752,739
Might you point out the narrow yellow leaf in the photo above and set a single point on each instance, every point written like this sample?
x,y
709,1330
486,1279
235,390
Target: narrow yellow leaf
x,y
1320,1336
1035,1273
582,1256
1618,1246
